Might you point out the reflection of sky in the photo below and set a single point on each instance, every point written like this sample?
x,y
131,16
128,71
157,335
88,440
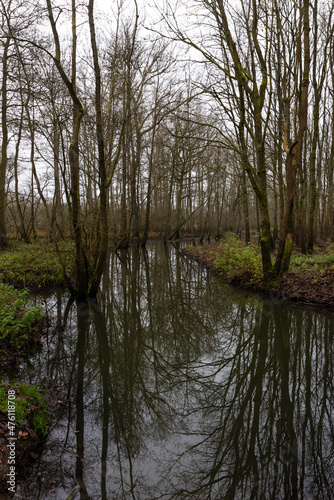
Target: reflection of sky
x,y
187,367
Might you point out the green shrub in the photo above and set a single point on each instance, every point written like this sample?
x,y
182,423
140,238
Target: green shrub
x,y
234,255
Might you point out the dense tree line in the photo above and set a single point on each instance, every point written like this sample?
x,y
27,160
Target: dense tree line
x,y
112,131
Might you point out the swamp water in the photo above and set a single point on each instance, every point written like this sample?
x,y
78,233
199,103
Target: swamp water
x,y
180,386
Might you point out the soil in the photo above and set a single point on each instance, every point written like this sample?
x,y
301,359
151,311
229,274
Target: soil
x,y
311,287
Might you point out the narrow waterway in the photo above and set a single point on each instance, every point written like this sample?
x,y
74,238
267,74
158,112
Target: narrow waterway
x,y
180,386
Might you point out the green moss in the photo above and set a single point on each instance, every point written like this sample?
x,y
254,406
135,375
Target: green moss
x,y
35,265
31,408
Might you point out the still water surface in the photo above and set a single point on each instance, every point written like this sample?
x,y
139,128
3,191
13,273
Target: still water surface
x,y
182,387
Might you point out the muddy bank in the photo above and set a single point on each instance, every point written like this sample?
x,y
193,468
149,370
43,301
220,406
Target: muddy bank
x,y
311,287
25,421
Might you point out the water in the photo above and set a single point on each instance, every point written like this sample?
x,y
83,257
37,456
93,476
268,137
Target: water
x,y
179,386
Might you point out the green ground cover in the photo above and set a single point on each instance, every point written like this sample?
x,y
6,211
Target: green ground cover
x,y
19,323
15,317
310,278
233,255
35,265
31,407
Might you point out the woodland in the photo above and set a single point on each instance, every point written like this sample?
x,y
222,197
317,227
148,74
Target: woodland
x,y
202,121
143,121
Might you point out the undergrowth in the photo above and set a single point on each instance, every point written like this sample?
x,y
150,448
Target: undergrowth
x,y
310,262
16,320
31,408
310,278
19,325
234,256
35,265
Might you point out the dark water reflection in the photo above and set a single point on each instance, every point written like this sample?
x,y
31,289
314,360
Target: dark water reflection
x,y
181,387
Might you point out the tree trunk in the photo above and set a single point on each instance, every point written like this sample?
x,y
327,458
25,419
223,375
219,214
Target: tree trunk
x,y
149,187
101,244
3,165
57,216
179,205
23,231
245,207
317,88
294,152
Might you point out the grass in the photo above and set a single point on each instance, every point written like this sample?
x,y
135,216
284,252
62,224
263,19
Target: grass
x,y
35,265
31,408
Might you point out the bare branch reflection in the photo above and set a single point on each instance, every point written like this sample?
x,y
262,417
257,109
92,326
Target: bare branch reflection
x,y
181,387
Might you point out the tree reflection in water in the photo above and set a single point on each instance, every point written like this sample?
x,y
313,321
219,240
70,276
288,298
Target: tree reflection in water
x,y
182,387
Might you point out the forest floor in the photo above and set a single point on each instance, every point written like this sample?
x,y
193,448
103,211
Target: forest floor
x,y
310,279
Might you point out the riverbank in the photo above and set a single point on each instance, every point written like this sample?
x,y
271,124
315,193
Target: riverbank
x,y
36,265
26,414
310,279
24,269
21,325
